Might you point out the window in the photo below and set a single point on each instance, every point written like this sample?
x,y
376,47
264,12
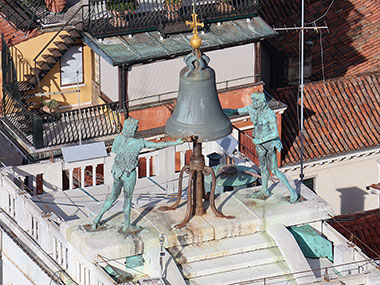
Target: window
x,y
60,253
83,274
11,206
88,179
99,174
35,228
309,182
146,167
182,159
72,66
65,179
77,177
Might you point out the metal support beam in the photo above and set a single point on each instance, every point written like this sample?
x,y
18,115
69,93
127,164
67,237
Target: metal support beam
x,y
123,89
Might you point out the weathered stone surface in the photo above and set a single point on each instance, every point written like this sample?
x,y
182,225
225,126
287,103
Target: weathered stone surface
x,y
245,274
219,248
276,209
232,262
245,221
110,242
197,230
252,215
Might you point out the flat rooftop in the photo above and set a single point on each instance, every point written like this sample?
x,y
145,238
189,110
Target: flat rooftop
x,y
86,202
252,215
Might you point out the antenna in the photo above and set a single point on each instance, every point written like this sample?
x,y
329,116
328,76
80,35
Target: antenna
x,y
302,29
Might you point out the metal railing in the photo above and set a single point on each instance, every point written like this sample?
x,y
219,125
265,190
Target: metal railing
x,y
9,73
22,66
17,117
97,121
29,14
42,130
114,17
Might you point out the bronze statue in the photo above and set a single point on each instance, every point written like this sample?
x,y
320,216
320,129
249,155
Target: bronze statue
x,y
127,149
266,140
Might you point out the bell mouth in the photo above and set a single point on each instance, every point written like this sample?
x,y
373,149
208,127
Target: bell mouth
x,y
210,132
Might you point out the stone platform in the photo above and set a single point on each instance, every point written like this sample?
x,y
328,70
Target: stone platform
x,y
252,215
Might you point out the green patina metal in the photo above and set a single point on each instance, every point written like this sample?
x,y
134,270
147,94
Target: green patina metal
x,y
267,141
133,269
127,149
134,262
312,244
230,176
148,46
118,275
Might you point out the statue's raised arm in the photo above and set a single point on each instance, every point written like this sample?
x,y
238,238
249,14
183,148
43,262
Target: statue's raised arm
x,y
127,149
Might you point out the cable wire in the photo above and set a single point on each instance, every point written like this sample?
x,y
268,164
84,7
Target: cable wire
x,y
325,139
324,14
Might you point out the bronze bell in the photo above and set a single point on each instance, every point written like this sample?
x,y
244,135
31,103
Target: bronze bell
x,y
198,111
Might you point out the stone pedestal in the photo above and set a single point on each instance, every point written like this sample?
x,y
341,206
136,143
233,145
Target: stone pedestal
x,y
252,215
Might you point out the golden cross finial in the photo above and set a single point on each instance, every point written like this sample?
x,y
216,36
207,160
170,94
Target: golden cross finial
x,y
194,24
195,41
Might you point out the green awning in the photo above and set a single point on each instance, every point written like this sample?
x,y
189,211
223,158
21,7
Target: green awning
x,y
148,46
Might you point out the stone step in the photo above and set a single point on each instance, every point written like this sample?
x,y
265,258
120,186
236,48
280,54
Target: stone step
x,y
49,58
56,52
223,247
61,45
74,34
232,262
43,65
247,274
67,39
37,71
31,79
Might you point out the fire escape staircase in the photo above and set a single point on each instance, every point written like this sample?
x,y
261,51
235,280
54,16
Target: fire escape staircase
x,y
22,14
48,58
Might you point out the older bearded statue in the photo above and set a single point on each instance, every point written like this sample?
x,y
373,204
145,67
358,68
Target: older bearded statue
x,y
127,149
266,140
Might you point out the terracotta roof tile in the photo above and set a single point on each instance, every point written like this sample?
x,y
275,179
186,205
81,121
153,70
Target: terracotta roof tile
x,y
366,228
350,48
341,115
12,35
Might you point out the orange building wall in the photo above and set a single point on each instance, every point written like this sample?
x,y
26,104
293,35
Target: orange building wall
x,y
150,118
238,98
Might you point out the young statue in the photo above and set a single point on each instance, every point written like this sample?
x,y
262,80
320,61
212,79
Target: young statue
x,y
127,149
266,140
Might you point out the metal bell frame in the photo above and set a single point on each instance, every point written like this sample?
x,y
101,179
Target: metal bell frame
x,y
195,191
